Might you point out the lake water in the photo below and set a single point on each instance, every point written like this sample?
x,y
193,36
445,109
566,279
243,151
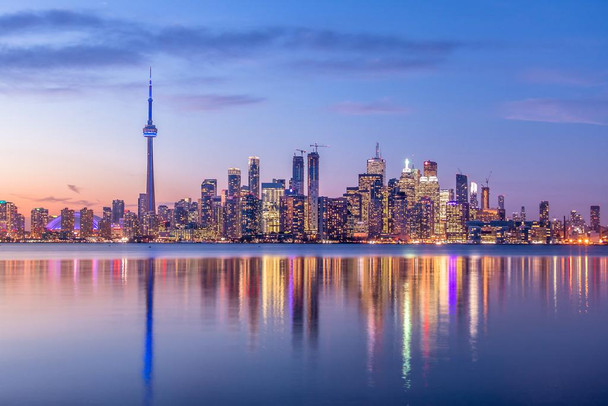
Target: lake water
x,y
303,324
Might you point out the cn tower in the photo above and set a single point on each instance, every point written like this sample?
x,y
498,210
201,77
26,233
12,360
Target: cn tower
x,y
150,133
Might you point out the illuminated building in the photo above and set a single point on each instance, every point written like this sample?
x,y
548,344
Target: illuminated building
x,y
354,200
501,202
232,217
150,133
67,223
250,215
86,223
149,225
234,182
271,207
430,169
254,176
409,183
462,188
130,225
445,196
105,225
10,222
118,211
292,216
377,165
333,218
421,221
457,214
297,174
38,221
595,219
543,212
370,188
209,188
313,192
142,205
474,203
485,197
429,188
400,216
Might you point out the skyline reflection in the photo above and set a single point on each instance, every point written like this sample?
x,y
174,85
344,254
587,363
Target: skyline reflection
x,y
366,311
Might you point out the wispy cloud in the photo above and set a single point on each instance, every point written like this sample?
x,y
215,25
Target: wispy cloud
x,y
565,78
74,188
558,111
213,101
64,200
370,108
98,41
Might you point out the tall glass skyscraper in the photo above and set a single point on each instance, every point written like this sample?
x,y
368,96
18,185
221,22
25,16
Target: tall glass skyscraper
x,y
297,175
462,188
313,192
254,176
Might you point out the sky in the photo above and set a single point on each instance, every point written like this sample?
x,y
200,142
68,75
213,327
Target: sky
x,y
515,89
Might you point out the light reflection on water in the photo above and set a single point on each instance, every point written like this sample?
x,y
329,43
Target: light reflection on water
x,y
291,329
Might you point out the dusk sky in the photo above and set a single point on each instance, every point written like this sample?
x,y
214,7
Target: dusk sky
x,y
518,88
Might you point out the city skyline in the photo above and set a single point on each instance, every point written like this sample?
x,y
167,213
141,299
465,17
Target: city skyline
x,y
216,112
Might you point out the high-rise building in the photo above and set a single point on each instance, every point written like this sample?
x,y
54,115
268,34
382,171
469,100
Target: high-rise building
x,y
409,183
142,205
485,198
595,219
150,133
209,188
456,219
293,216
39,220
313,192
543,213
377,165
333,218
474,203
421,222
462,188
430,169
254,176
118,211
86,223
130,225
370,189
67,223
501,202
250,215
234,182
297,175
105,224
271,207
522,213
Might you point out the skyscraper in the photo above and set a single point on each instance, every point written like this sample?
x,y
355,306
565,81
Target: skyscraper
x,y
118,211
377,165
254,176
209,188
501,202
462,188
543,212
86,223
271,207
474,203
39,220
485,197
595,219
297,174
150,133
234,182
313,192
430,169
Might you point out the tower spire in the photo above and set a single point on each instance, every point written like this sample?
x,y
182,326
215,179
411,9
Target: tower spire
x,y
150,100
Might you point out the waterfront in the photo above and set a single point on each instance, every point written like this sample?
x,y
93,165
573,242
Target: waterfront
x,y
303,324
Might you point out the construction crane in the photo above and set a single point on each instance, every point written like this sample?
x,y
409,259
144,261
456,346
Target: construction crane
x,y
301,151
317,146
488,179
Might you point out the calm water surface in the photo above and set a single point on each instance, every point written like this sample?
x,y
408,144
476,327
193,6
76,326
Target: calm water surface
x,y
308,324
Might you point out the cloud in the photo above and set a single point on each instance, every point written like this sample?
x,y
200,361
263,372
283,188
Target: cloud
x,y
74,188
213,101
53,199
93,40
371,108
558,111
565,78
